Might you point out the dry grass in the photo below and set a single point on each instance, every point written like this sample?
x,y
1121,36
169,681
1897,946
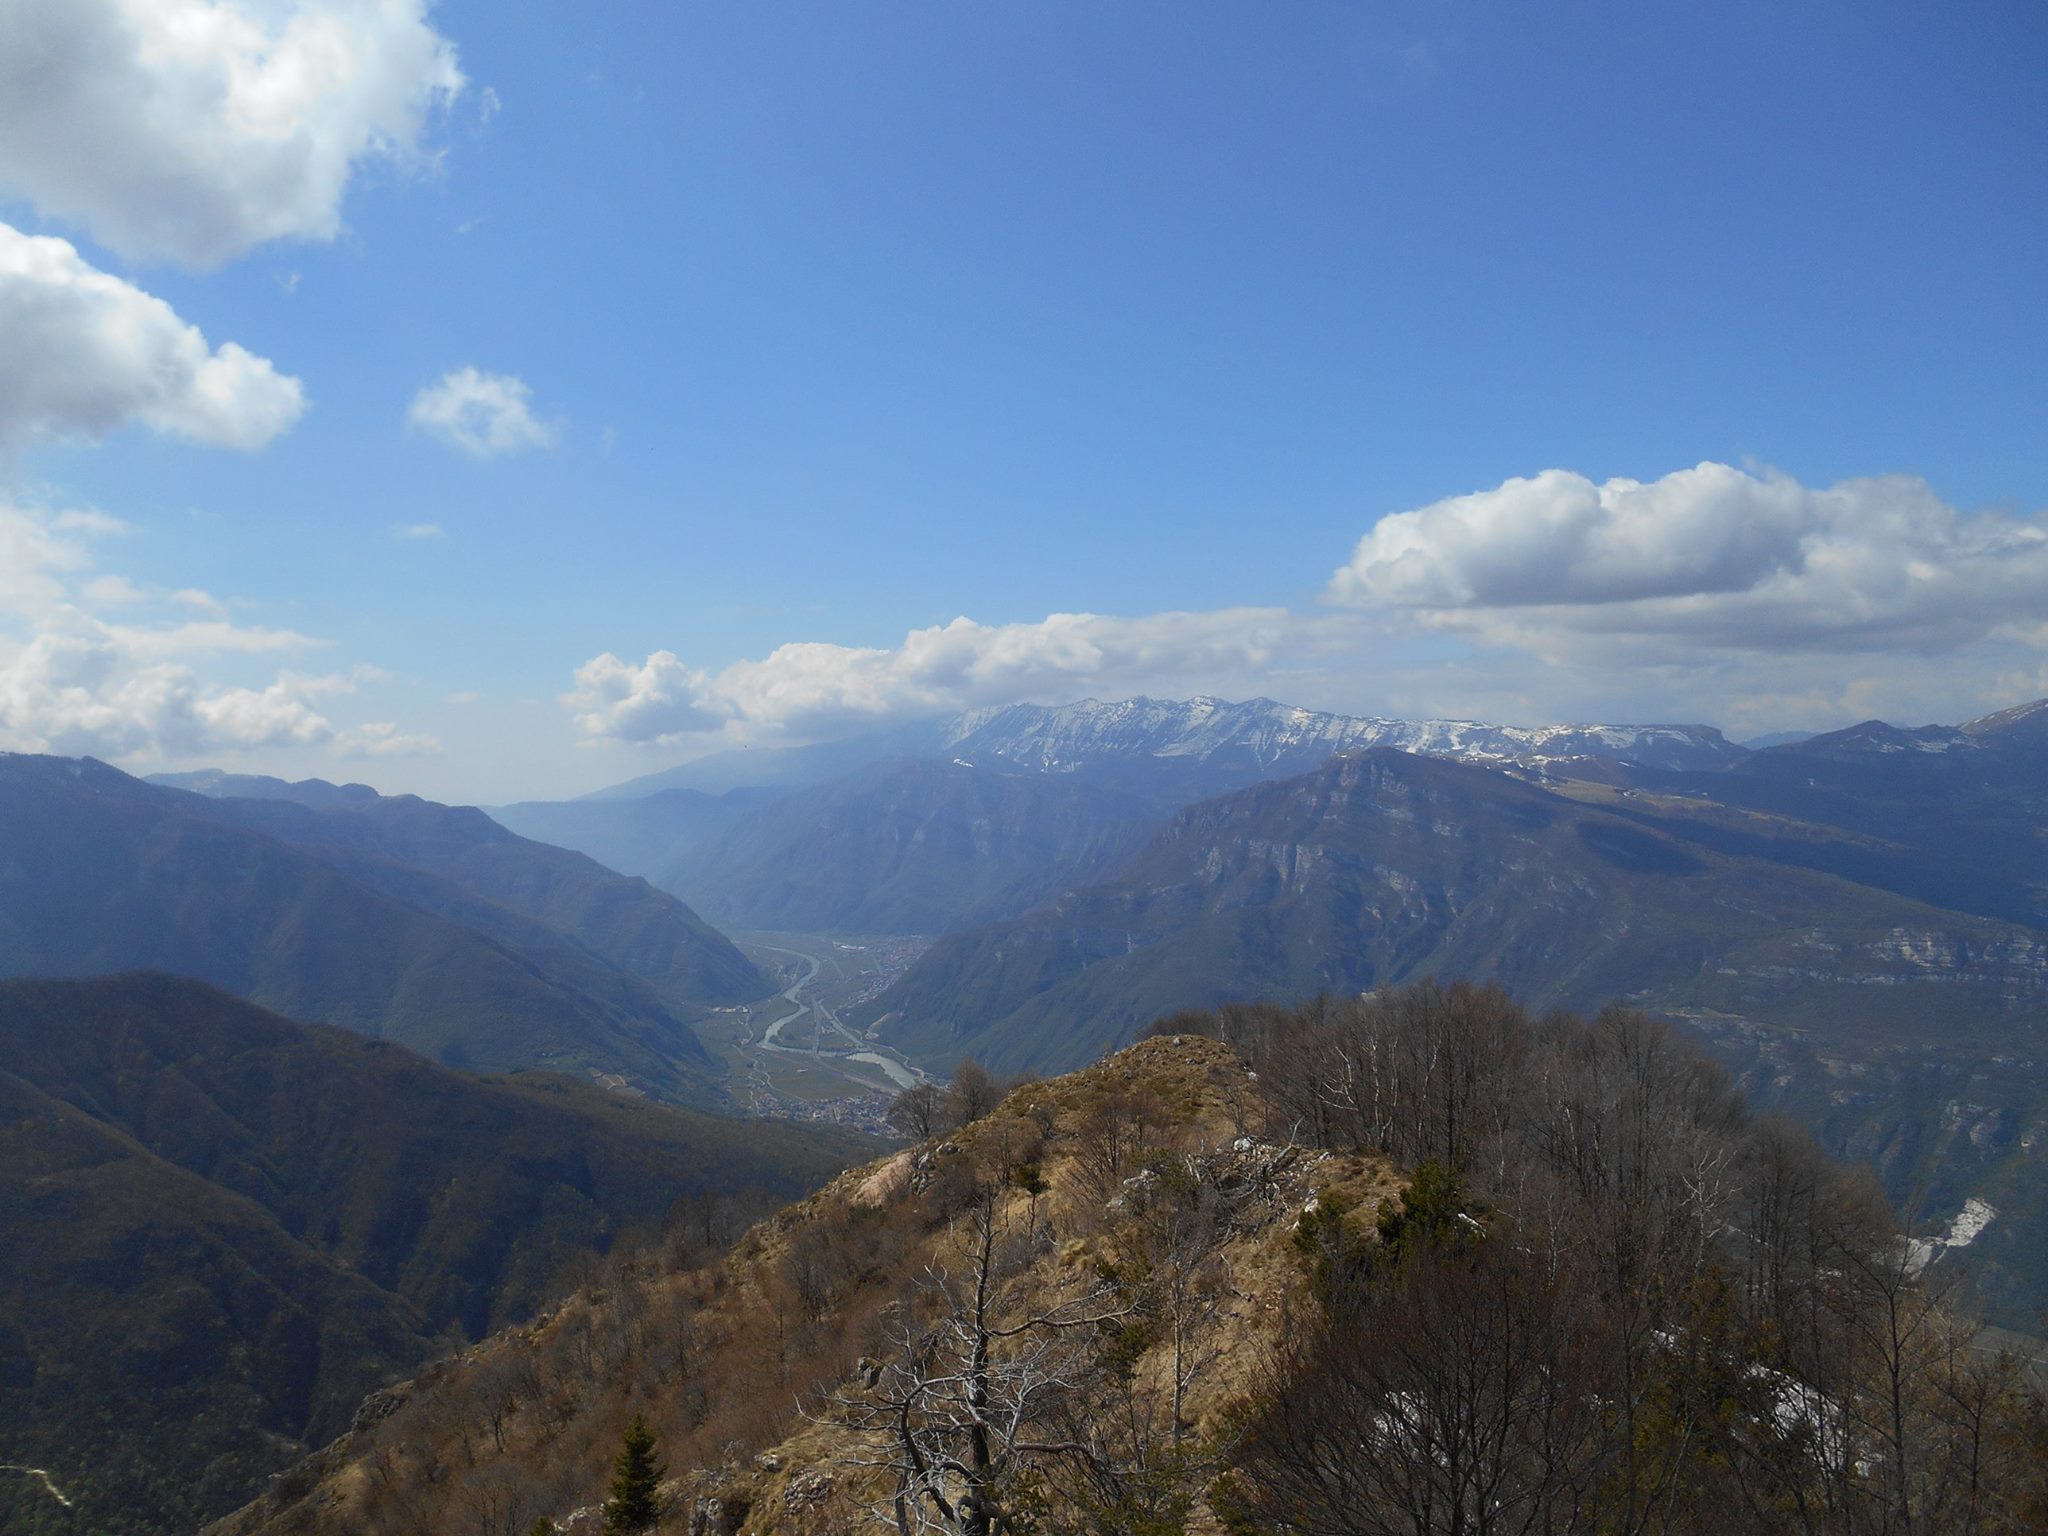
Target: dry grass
x,y
732,1364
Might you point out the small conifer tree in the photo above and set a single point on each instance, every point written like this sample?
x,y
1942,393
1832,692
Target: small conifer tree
x,y
633,1504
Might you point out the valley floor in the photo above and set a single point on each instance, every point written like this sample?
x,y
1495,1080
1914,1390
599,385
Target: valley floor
x,y
791,1055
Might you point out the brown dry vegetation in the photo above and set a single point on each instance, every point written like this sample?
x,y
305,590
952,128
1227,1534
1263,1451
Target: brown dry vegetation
x,y
741,1367
1170,1294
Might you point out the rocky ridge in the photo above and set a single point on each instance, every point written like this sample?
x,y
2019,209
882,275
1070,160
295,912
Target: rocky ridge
x,y
753,1371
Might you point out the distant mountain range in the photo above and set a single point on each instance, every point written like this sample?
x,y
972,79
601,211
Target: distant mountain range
x,y
1857,924
1256,737
892,833
1383,866
782,767
1955,815
1267,740
418,923
223,1229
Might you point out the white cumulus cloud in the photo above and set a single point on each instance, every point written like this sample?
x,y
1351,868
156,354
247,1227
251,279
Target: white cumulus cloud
x,y
279,715
82,686
74,681
383,738
658,699
196,130
85,353
812,687
1705,558
481,413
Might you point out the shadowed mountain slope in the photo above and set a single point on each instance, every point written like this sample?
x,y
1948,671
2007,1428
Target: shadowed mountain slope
x,y
645,932
1385,866
1957,815
251,1223
101,872
909,847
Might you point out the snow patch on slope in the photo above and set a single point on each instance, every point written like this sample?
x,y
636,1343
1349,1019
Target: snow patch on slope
x,y
1063,738
1965,1229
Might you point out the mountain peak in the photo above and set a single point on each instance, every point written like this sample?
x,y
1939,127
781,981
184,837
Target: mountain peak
x,y
1877,736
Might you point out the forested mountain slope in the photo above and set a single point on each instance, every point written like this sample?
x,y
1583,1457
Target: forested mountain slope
x,y
224,1228
909,847
100,872
1167,1295
1952,814
1384,866
643,931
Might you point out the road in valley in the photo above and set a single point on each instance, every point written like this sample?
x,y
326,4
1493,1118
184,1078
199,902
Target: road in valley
x,y
888,1073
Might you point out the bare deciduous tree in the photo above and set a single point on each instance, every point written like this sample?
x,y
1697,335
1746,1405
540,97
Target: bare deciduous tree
x,y
964,1406
974,1093
919,1111
1464,1397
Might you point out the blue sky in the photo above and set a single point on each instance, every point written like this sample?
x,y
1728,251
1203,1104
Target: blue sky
x,y
836,323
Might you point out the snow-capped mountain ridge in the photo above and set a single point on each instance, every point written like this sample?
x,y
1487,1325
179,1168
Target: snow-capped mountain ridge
x,y
1063,738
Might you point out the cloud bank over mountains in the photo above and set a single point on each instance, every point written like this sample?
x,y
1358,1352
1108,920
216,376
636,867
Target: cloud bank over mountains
x,y
1731,594
815,688
83,684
